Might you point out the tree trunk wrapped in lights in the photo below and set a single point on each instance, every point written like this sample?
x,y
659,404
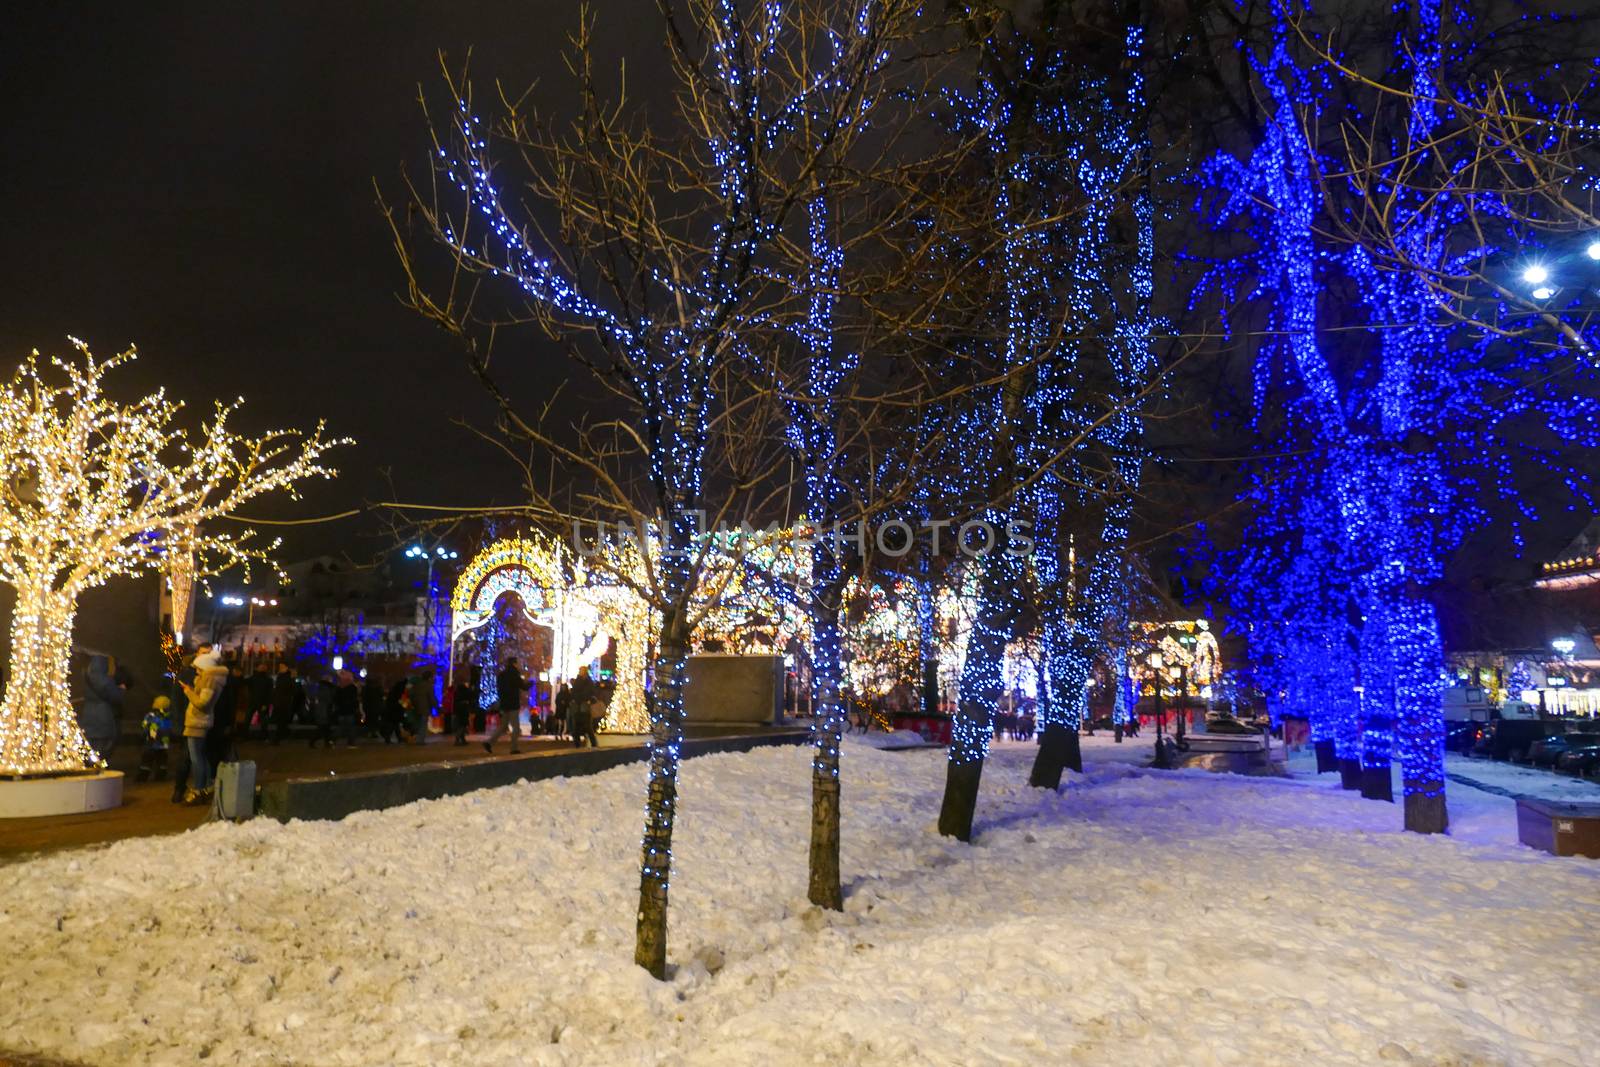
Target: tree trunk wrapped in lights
x,y
93,490
661,268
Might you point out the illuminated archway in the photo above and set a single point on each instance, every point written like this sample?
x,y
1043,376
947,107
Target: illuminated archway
x,y
584,618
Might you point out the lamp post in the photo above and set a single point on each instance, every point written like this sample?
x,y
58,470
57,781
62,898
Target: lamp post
x,y
436,552
1188,641
250,623
219,602
1161,761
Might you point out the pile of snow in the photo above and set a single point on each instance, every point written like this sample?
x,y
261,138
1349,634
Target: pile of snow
x,y
891,741
1136,918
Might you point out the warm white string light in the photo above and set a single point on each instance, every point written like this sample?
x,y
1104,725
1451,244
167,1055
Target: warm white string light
x,y
91,489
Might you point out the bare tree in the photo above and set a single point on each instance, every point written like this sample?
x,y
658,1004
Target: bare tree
x,y
644,241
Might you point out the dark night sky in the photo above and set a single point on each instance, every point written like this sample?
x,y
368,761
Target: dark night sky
x,y
197,179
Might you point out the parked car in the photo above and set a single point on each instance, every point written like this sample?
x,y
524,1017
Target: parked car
x,y
1226,724
1543,752
1513,737
1581,757
1463,735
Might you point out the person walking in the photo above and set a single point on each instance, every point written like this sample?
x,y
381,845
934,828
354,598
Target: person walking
x,y
394,712
372,705
583,717
467,693
510,685
347,707
422,703
101,716
563,708
210,677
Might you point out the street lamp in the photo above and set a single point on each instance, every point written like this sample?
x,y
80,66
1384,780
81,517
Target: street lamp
x,y
1162,761
1188,641
437,553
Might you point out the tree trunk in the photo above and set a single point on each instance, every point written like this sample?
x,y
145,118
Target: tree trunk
x,y
666,735
1377,742
1071,654
1327,760
980,692
39,732
960,799
1377,782
927,646
1426,814
1350,774
824,888
1419,719
1058,750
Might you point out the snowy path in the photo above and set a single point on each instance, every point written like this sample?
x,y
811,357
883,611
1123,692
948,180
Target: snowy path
x,y
1136,918
1518,780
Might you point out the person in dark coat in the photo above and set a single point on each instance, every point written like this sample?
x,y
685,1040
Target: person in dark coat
x,y
583,713
394,713
219,737
563,708
510,685
319,697
467,695
347,707
101,715
285,695
372,705
258,694
422,703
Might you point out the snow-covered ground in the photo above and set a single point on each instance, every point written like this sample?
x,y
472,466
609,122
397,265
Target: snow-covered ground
x,y
1524,780
1135,918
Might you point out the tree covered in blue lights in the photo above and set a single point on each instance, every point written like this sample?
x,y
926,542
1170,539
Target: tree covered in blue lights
x,y
1388,228
1067,257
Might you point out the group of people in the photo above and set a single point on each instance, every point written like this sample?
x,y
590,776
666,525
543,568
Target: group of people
x,y
217,706
338,703
210,705
204,687
575,713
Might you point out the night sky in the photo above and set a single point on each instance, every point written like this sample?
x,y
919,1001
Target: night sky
x,y
197,179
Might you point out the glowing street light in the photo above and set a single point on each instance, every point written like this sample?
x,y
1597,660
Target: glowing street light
x,y
1536,274
1544,292
1593,251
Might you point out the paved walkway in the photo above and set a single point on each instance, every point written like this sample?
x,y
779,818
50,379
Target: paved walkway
x,y
147,807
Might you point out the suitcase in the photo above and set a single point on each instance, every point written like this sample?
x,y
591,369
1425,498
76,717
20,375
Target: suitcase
x,y
236,790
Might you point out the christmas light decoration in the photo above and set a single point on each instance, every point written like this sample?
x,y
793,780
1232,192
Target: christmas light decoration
x,y
1409,443
95,489
180,579
584,611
